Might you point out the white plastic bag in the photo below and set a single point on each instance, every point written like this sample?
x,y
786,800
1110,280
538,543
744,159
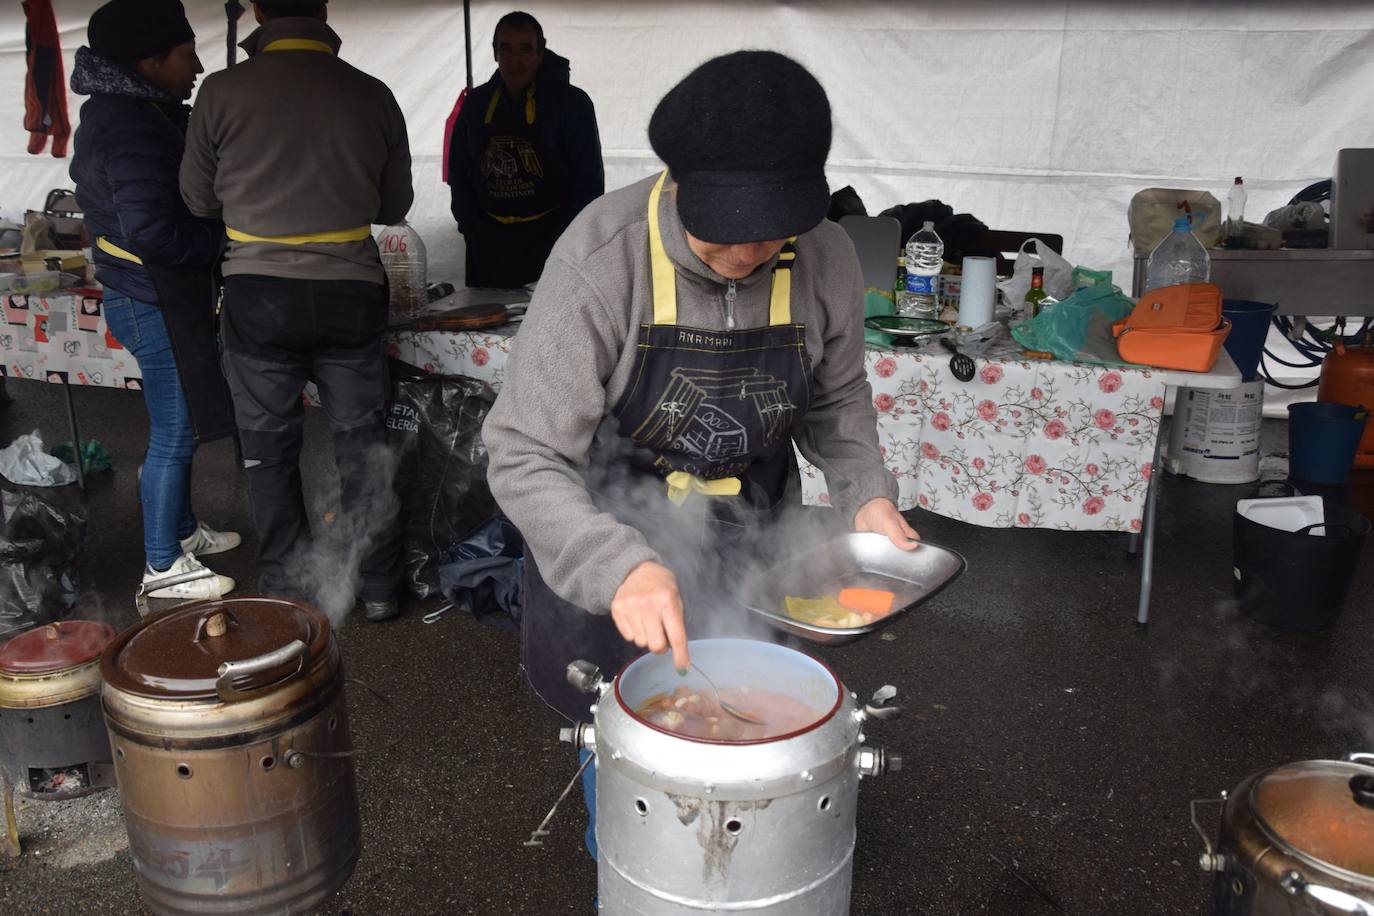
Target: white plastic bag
x,y
24,462
1058,273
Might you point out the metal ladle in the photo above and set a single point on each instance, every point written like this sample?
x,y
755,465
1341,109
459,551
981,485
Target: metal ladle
x,y
729,708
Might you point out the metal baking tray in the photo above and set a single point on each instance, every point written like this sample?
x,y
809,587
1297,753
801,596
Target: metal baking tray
x,y
857,560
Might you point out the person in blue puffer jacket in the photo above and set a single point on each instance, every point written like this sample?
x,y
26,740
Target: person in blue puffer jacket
x,y
156,263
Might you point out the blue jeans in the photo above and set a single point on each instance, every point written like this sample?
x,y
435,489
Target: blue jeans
x,y
165,486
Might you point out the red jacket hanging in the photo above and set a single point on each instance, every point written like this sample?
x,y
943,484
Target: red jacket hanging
x,y
45,88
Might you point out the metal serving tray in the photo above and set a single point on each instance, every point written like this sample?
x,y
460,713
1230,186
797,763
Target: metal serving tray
x,y
858,560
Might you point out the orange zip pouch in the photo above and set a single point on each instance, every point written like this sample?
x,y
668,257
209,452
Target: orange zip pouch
x,y
1174,327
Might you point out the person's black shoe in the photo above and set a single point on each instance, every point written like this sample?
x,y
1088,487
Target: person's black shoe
x,y
377,611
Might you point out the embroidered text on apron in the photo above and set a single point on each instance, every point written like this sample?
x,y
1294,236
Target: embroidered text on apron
x,y
707,411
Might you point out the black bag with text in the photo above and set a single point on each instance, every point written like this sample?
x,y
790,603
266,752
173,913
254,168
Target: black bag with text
x,y
436,422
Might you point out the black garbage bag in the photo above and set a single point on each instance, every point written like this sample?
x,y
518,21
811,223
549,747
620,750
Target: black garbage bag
x,y
39,548
483,574
436,420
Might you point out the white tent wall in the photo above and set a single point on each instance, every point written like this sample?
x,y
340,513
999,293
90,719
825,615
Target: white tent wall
x,y
1043,117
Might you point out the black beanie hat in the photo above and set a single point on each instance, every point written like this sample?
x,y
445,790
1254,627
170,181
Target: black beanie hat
x,y
130,30
746,136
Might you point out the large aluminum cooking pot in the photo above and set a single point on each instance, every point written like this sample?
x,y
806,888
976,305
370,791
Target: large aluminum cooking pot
x,y
1296,840
53,744
230,737
691,826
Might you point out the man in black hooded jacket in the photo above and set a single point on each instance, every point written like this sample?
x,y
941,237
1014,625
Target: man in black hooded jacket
x,y
525,158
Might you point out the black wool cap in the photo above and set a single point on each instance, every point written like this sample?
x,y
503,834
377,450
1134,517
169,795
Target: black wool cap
x,y
746,136
131,30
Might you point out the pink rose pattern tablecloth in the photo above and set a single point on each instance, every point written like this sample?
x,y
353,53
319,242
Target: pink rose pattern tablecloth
x,y
56,337
1026,443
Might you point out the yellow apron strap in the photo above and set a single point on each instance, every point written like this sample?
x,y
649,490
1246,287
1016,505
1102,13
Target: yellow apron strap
x,y
297,44
334,237
664,277
780,302
681,484
111,248
496,98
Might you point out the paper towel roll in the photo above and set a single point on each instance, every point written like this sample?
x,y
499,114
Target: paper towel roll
x,y
977,291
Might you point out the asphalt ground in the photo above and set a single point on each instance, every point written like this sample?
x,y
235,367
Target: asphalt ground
x,y
1051,747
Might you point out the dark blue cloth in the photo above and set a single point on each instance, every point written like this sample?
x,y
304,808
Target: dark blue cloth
x,y
484,573
165,485
126,165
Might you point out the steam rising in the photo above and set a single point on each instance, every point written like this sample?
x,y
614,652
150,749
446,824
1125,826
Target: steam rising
x,y
326,571
715,547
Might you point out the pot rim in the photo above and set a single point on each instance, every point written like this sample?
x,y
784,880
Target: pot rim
x,y
1287,846
819,721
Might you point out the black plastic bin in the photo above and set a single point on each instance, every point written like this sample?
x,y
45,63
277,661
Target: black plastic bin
x,y
1298,579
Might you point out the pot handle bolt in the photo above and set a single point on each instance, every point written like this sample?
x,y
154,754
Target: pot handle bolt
x,y
874,761
585,676
580,735
1209,861
295,759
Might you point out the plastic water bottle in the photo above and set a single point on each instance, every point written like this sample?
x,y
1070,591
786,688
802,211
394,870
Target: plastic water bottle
x,y
403,259
1235,210
925,256
1180,258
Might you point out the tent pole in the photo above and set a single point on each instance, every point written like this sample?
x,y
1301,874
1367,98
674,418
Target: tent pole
x,y
467,37
232,11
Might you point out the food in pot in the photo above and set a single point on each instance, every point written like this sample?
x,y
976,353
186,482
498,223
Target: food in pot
x,y
696,713
852,607
867,600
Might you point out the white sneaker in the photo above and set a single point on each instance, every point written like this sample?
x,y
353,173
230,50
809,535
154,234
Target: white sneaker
x,y
206,540
210,585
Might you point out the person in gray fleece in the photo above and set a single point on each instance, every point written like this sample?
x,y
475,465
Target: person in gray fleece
x,y
686,330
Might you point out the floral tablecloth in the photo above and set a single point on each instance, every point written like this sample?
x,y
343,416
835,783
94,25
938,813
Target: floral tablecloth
x,y
1024,444
57,337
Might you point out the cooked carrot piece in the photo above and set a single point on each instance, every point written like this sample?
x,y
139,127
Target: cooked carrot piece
x,y
866,600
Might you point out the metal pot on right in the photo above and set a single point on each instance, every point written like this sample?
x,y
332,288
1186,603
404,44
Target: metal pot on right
x,y
1296,840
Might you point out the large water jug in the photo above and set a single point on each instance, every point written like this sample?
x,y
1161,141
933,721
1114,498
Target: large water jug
x,y
403,259
1179,258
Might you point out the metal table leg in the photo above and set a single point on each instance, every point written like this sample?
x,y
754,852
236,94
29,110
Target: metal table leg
x,y
1147,561
76,435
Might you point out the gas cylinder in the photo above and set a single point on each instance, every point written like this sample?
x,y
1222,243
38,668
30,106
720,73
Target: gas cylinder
x,y
1347,377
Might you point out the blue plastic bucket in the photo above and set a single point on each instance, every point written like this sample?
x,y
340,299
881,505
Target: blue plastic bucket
x,y
1322,439
1249,327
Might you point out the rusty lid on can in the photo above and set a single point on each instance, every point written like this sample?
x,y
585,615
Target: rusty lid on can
x,y
1322,809
229,648
55,647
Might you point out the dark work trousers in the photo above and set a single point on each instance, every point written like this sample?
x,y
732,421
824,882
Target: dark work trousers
x,y
278,335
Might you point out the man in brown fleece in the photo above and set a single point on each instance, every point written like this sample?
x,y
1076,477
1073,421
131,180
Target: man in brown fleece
x,y
299,153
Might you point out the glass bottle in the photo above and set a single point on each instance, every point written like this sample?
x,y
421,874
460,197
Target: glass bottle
x,y
1036,295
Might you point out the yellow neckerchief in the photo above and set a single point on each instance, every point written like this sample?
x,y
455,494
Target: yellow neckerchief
x,y
496,99
664,278
332,236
